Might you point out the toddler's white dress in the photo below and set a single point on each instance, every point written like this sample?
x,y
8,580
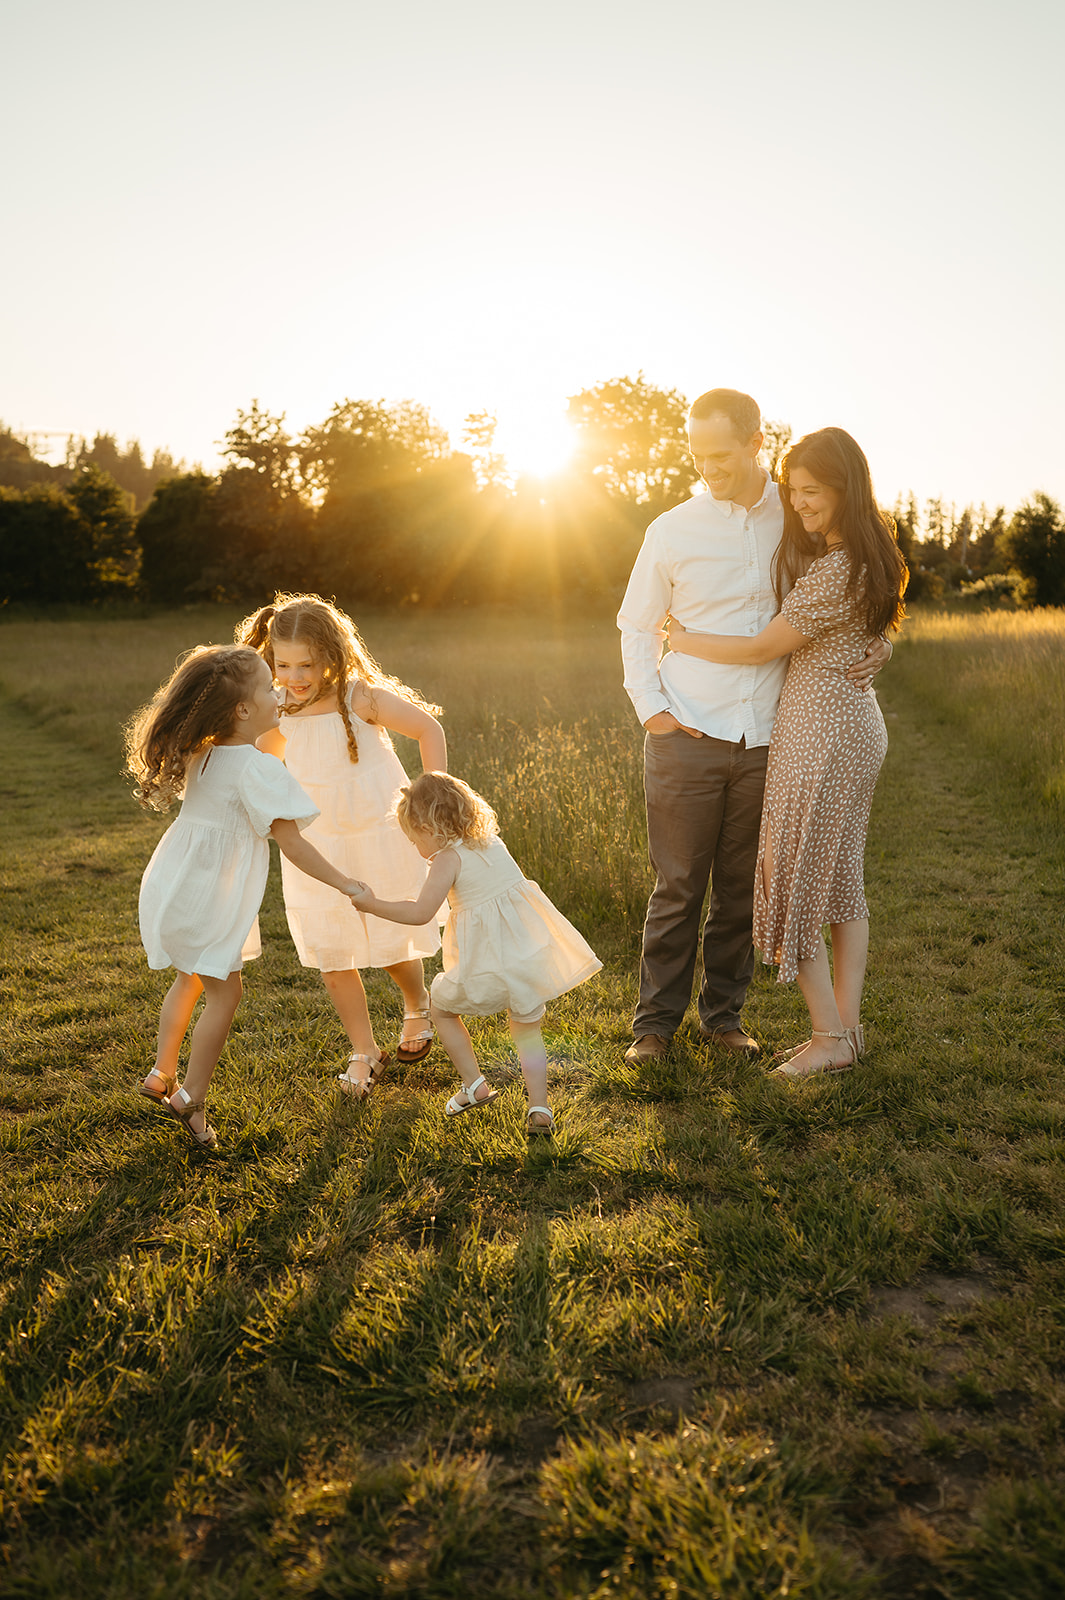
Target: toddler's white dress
x,y
358,832
202,889
506,947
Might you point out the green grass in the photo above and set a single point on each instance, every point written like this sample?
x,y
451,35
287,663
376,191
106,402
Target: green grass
x,y
726,1337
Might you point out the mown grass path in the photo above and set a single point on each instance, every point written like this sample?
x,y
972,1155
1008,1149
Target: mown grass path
x,y
726,1338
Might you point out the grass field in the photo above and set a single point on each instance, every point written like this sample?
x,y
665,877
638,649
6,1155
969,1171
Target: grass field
x,y
726,1338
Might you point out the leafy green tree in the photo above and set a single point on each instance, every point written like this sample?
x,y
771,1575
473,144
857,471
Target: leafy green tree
x,y
19,467
181,540
366,445
1034,545
259,441
105,511
46,550
632,442
985,547
126,466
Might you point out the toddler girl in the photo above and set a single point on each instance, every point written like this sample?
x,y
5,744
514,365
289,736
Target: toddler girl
x,y
506,947
201,891
338,705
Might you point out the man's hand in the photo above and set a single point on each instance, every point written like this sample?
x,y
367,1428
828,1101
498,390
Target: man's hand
x,y
862,673
666,722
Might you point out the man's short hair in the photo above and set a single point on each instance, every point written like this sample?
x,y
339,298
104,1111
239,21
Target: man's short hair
x,y
740,409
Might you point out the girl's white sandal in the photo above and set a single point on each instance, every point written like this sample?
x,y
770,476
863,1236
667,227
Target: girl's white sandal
x,y
540,1130
455,1107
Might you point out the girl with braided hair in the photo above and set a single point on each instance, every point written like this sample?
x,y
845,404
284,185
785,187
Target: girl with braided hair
x,y
202,888
337,709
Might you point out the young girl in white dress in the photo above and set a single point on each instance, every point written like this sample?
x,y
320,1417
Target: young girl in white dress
x,y
201,890
506,947
338,707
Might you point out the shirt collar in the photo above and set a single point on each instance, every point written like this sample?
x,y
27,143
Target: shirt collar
x,y
727,507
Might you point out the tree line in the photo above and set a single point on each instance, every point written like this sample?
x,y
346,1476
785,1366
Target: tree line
x,y
375,506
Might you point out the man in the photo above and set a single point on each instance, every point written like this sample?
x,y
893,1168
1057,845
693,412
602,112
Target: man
x,y
708,563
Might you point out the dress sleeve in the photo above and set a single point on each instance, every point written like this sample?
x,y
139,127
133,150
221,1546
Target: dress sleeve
x,y
269,792
818,601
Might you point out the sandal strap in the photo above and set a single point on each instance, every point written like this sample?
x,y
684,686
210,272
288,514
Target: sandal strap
x,y
409,1016
546,1109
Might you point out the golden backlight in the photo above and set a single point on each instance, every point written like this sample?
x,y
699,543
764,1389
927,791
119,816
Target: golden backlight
x,y
535,444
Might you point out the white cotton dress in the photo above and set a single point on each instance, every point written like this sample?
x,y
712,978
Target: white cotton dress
x,y
506,947
357,831
202,889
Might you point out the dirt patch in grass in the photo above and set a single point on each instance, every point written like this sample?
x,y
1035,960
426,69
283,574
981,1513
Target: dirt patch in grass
x,y
932,1296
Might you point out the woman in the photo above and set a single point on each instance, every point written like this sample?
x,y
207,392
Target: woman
x,y
839,578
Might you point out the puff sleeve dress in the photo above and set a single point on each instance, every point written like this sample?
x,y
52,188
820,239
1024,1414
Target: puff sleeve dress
x,y
829,743
202,889
506,947
357,831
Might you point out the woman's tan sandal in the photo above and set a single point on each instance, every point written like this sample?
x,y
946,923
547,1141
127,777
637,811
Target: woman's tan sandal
x,y
540,1130
465,1099
418,1046
161,1097
361,1087
789,1069
205,1141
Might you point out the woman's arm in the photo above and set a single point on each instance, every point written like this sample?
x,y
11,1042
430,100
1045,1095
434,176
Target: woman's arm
x,y
776,640
442,875
302,854
392,711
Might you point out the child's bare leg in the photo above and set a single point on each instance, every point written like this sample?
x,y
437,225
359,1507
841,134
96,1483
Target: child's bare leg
x,y
221,997
348,995
174,1016
409,979
455,1039
532,1054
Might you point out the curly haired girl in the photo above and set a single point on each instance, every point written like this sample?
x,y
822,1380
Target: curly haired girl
x,y
337,709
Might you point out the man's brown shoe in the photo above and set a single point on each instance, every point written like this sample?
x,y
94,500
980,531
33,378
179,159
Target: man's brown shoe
x,y
649,1048
734,1039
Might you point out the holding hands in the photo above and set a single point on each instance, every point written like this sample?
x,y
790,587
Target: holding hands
x,y
359,893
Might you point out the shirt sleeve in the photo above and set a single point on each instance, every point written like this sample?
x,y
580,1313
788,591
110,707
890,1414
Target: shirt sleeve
x,y
818,601
270,793
642,623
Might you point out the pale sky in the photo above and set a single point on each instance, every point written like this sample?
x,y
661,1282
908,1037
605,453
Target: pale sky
x,y
853,213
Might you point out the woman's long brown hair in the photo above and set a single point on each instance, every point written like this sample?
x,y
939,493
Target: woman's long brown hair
x,y
878,573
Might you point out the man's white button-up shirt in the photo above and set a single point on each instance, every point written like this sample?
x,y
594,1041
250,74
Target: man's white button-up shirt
x,y
709,564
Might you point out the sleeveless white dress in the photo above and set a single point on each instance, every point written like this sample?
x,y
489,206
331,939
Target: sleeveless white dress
x,y
506,947
358,832
202,889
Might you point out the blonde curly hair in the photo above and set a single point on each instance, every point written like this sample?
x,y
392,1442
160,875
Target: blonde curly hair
x,y
195,707
439,804
336,646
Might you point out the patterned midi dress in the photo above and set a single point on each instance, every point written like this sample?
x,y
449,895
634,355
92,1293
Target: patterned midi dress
x,y
828,745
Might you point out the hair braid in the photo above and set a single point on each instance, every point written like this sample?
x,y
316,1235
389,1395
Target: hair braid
x,y
164,736
345,714
212,678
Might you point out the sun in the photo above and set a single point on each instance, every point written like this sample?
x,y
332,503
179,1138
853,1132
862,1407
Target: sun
x,y
536,444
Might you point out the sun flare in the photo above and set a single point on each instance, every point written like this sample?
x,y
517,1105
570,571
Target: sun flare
x,y
535,445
